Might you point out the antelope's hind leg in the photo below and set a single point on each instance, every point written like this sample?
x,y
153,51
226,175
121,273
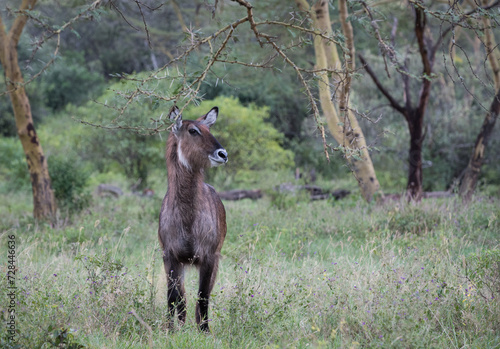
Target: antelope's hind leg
x,y
208,272
176,292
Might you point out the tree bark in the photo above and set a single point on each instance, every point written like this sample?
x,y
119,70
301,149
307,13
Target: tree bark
x,y
471,175
415,176
43,197
346,131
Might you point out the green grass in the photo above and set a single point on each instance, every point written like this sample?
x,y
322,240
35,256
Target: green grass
x,y
311,274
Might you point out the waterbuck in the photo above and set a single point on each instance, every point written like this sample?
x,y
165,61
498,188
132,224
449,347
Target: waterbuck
x,y
192,217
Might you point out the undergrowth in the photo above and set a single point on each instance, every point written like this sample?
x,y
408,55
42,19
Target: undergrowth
x,y
322,274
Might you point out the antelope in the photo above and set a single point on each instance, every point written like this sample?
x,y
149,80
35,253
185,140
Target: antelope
x,y
192,224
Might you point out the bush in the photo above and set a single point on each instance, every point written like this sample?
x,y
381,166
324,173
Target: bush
x,y
69,81
69,182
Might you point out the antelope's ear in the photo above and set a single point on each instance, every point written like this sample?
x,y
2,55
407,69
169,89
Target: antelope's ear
x,y
175,115
210,118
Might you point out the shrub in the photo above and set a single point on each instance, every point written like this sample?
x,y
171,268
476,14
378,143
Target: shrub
x,y
69,182
281,93
69,81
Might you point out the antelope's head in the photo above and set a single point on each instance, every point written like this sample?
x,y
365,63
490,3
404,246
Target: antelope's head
x,y
197,148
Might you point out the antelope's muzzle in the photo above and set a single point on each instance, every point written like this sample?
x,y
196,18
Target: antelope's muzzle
x,y
219,157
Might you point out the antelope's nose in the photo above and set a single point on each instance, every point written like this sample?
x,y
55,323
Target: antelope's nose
x,y
218,157
222,154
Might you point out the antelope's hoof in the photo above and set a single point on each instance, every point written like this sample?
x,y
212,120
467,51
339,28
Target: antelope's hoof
x,y
204,327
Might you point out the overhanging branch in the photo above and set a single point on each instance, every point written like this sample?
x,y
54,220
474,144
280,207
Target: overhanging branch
x,y
394,104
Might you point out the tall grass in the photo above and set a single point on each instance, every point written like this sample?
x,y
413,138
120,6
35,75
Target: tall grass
x,y
312,274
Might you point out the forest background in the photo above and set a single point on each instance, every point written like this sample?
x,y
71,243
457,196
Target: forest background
x,y
95,55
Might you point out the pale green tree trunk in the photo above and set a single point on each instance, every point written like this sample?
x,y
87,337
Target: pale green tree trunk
x,y
342,123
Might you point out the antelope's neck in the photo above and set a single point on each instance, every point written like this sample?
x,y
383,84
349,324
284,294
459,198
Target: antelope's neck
x,y
184,182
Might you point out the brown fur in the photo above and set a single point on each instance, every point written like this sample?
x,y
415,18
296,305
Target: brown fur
x,y
192,223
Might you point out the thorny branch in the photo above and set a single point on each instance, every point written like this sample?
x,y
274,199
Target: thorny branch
x,y
384,48
249,8
483,27
454,11
144,21
303,29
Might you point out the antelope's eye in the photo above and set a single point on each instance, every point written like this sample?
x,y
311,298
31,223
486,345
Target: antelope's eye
x,y
194,132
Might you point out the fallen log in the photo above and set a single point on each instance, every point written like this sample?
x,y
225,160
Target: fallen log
x,y
425,195
326,194
239,194
315,192
437,194
109,190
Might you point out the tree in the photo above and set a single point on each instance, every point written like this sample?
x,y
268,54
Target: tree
x,y
44,205
450,17
345,129
412,113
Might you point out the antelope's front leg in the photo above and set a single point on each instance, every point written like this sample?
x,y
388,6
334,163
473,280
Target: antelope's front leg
x,y
208,272
176,292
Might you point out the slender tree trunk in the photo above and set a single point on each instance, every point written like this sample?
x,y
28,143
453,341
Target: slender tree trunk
x,y
471,175
416,120
415,176
345,130
43,197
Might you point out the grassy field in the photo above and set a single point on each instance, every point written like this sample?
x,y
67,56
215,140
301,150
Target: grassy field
x,y
295,274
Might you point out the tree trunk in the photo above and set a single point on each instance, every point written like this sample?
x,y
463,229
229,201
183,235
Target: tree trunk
x,y
43,197
346,131
415,177
471,175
